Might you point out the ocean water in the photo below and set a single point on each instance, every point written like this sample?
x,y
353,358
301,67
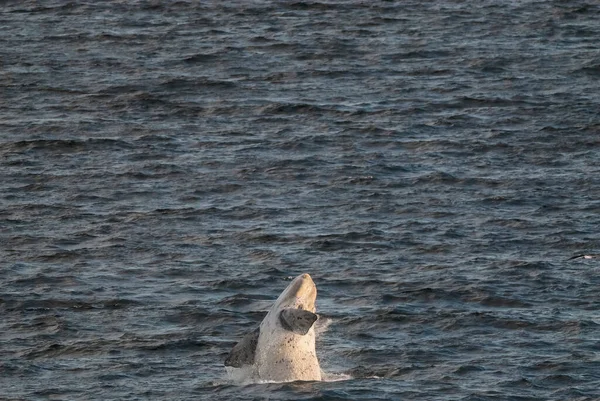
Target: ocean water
x,y
167,167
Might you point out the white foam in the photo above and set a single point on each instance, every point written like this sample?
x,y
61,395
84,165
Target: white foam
x,y
322,325
244,376
335,377
241,376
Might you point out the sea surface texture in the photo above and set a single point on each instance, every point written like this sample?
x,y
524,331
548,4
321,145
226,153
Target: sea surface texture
x,y
167,167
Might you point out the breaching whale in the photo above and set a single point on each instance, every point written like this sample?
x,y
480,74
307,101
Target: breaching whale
x,y
282,348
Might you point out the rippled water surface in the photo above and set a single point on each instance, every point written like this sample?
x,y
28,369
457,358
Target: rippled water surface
x,y
167,167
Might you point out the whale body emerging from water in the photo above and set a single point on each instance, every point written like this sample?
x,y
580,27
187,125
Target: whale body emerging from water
x,y
282,348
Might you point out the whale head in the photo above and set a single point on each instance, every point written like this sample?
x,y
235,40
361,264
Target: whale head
x,y
301,293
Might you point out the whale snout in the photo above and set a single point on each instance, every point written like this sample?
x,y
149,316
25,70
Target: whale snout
x,y
306,295
300,294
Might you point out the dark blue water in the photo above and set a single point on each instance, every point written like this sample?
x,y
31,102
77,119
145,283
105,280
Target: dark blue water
x,y
166,167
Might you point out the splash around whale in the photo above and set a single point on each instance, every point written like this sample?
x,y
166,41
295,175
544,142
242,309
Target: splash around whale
x,y
282,348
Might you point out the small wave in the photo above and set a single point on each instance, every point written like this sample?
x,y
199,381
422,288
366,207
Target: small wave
x,y
173,345
242,300
592,69
76,305
438,177
61,146
196,84
376,372
292,108
201,58
335,377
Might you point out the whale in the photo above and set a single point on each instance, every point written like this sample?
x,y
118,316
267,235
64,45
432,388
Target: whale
x,y
585,256
282,348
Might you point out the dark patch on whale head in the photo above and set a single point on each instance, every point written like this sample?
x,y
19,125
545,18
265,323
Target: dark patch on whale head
x,y
298,321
